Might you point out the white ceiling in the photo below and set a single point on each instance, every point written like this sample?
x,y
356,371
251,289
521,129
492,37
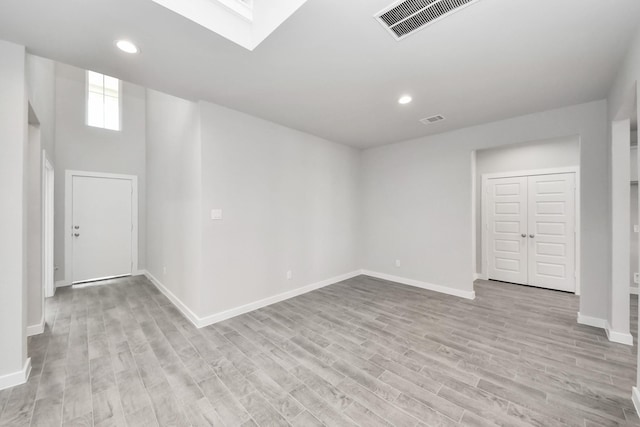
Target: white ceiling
x,y
333,71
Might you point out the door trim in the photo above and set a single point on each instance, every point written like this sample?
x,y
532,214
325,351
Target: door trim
x,y
48,227
68,206
487,176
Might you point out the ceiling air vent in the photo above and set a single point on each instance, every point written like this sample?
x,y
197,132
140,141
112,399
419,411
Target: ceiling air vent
x,y
432,119
405,17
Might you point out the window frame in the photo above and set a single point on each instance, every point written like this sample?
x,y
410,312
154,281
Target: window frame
x,y
86,103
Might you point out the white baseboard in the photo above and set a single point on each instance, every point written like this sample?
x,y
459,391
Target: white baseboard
x,y
476,276
186,311
613,336
16,378
423,285
635,398
219,317
62,283
140,273
592,321
201,322
36,329
619,337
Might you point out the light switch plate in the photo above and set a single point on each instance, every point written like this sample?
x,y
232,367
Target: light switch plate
x,y
636,278
636,228
216,214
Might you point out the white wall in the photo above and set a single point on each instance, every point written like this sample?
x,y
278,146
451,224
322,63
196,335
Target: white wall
x,y
633,161
13,134
173,195
618,320
624,88
40,79
622,101
624,85
634,260
81,147
634,238
554,153
41,89
290,202
35,291
417,200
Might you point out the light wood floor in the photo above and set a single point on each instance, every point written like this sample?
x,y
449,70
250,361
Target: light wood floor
x,y
362,352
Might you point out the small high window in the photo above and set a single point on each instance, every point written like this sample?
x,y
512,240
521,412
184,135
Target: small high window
x,y
103,101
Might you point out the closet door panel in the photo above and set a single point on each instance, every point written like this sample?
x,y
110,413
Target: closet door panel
x,y
551,237
507,228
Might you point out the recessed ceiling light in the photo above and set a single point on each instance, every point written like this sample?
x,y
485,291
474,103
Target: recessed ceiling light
x,y
127,46
405,99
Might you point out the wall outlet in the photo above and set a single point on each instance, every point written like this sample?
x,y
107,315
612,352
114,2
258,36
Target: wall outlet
x,y
397,263
289,275
636,277
636,228
216,214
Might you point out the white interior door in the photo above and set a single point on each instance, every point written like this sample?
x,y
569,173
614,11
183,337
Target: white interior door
x,y
507,229
551,227
102,227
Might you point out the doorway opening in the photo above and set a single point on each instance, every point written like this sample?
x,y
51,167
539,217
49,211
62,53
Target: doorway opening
x,y
530,228
527,214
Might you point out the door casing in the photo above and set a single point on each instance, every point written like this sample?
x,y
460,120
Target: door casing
x,y
48,265
522,173
68,226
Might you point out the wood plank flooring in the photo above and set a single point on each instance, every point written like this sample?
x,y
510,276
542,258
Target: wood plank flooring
x,y
362,352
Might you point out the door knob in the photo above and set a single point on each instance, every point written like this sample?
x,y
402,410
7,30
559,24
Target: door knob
x,y
532,235
76,227
76,234
523,235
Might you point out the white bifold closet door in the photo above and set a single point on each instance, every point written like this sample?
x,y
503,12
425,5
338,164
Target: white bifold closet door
x,y
531,230
508,229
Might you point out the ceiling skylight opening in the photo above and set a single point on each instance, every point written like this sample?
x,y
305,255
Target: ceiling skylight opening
x,y
243,8
239,21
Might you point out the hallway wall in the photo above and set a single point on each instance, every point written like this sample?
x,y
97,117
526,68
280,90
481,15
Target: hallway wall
x,y
418,200
84,148
553,153
40,80
13,221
